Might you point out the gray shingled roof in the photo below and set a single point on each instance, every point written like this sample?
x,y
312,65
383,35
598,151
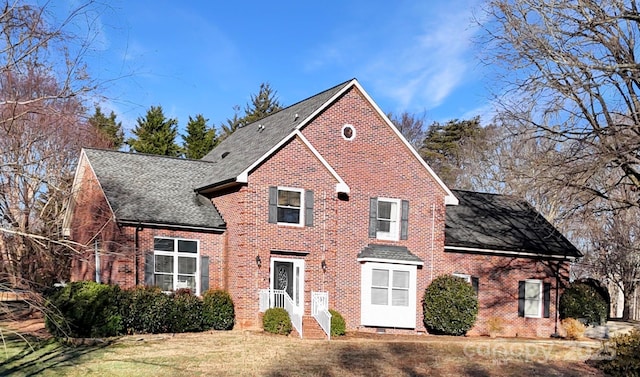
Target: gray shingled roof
x,y
247,144
388,252
154,189
502,223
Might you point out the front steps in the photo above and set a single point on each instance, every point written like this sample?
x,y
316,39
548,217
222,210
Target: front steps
x,y
310,329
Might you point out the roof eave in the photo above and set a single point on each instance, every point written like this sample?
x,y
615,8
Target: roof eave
x,y
150,224
523,254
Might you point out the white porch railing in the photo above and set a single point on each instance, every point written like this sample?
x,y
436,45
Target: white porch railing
x,y
277,298
320,311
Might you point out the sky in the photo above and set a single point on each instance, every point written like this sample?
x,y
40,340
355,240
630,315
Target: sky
x,y
204,57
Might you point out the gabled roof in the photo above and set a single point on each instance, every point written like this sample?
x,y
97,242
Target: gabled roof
x,y
501,224
153,190
249,144
388,254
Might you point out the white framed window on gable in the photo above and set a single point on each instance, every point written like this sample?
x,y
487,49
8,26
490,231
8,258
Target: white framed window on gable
x,y
176,263
534,298
388,219
290,206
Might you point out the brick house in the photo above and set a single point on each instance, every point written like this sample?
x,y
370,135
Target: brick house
x,y
321,205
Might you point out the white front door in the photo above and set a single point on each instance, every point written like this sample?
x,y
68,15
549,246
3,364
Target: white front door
x,y
288,275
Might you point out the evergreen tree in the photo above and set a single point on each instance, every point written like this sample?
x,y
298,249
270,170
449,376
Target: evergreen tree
x,y
155,134
261,105
200,139
108,127
445,146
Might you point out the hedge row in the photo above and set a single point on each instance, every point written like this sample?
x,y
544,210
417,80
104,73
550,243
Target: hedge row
x,y
88,309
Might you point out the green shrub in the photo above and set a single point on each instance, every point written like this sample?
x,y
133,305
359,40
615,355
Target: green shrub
x,y
218,312
187,312
85,309
584,302
277,321
450,306
147,310
338,326
622,359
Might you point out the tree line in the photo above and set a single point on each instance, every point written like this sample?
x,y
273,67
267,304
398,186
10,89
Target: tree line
x,y
154,133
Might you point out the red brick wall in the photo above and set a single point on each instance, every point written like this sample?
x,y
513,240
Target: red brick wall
x,y
375,163
245,211
498,290
93,220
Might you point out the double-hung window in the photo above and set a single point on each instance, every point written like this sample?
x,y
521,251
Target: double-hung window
x,y
390,287
175,264
290,206
388,219
533,298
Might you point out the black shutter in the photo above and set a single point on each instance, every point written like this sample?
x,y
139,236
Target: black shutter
x,y
273,205
404,220
204,274
373,217
475,283
149,269
546,294
521,285
308,208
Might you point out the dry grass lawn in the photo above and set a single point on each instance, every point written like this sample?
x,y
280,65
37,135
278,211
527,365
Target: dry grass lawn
x,y
247,353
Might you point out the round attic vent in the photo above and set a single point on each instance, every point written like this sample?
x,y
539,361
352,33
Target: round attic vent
x,y
348,132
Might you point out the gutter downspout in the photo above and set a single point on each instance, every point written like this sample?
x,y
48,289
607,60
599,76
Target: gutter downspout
x,y
433,229
136,250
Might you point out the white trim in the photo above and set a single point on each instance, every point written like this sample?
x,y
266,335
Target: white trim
x,y
394,228
341,186
297,289
540,298
517,253
175,254
388,315
449,199
353,132
302,207
466,277
391,261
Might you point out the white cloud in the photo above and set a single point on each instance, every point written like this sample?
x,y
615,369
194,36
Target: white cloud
x,y
424,70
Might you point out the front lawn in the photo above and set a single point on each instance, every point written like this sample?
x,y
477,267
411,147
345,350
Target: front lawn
x,y
246,353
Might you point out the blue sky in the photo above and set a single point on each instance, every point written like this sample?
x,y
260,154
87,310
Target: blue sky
x,y
207,56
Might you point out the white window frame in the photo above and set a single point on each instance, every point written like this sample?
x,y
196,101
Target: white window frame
x,y
389,315
176,255
301,209
466,277
394,229
540,299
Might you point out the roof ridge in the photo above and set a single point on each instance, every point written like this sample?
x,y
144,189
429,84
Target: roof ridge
x,y
132,153
299,102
